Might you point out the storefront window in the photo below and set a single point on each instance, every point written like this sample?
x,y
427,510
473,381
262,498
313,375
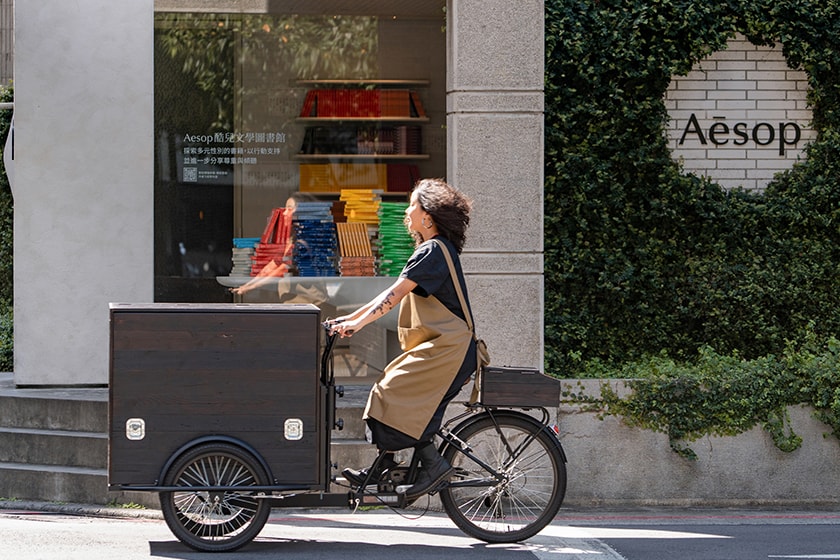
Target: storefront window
x,y
286,144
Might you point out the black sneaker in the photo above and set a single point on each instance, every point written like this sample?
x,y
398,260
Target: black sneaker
x,y
358,477
429,483
433,474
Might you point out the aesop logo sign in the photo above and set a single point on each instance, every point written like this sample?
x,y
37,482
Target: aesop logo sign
x,y
762,134
740,116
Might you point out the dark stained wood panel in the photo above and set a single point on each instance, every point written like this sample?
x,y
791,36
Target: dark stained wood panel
x,y
510,386
238,371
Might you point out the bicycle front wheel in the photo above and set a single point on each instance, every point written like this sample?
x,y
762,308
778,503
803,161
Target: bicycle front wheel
x,y
215,521
522,495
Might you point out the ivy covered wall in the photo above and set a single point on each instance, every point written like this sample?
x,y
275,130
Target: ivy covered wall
x,y
645,259
6,243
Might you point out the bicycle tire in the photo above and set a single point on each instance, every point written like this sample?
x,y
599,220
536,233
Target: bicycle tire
x,y
211,521
533,482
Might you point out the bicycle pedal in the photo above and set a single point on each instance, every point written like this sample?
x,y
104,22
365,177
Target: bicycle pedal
x,y
392,479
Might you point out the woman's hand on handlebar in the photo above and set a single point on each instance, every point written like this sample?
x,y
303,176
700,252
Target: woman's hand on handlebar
x,y
348,325
341,326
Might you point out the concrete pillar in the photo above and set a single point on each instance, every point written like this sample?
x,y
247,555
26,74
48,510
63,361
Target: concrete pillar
x,y
83,181
495,133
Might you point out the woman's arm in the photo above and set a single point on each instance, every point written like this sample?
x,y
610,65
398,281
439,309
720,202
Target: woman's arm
x,y
269,271
373,310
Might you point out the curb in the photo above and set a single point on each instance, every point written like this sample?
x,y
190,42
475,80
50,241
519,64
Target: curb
x,y
91,510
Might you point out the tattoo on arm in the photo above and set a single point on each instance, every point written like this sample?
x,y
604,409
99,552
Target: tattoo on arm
x,y
385,305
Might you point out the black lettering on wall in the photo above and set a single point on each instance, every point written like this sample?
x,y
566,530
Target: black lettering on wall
x,y
692,122
763,133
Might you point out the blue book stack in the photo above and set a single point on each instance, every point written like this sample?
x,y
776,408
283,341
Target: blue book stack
x,y
315,239
243,251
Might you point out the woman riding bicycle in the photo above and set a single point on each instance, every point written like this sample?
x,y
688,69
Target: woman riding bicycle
x,y
406,405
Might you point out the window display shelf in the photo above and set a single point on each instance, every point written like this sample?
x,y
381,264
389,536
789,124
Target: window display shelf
x,y
345,293
349,290
386,196
372,82
360,156
361,133
313,120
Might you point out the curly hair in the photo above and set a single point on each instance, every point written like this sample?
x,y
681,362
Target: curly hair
x,y
448,207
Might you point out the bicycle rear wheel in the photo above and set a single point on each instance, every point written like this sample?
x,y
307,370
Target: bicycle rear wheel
x,y
525,498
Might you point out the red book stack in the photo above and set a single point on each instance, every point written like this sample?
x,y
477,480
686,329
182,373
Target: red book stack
x,y
275,242
395,103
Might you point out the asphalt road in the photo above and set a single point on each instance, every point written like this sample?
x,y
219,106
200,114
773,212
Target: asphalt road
x,y
715,534
28,533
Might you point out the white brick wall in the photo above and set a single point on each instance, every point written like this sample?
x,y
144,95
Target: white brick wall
x,y
743,100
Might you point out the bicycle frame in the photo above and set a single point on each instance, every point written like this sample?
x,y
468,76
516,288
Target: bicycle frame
x,y
217,487
450,439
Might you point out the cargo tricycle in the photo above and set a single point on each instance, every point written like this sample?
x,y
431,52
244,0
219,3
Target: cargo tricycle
x,y
226,411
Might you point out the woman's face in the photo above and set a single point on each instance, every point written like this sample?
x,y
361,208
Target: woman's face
x,y
414,214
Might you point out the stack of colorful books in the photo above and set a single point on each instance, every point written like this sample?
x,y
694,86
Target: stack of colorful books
x,y
356,103
315,239
243,251
355,249
274,244
338,176
395,243
361,205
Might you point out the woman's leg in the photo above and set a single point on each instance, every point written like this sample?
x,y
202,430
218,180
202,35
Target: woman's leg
x,y
387,440
467,368
434,468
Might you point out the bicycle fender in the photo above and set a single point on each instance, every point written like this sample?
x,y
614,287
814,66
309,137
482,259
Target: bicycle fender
x,y
213,439
502,413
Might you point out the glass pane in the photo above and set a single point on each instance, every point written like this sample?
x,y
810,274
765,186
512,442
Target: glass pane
x,y
340,112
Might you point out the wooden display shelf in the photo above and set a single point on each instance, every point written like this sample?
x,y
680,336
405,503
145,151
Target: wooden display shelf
x,y
339,82
356,157
312,120
387,196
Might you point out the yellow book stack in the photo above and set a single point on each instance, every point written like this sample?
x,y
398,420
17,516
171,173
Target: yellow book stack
x,y
335,177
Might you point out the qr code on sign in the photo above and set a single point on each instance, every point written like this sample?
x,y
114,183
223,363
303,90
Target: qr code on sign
x,y
190,174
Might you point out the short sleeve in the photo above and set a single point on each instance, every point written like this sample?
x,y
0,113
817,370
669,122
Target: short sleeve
x,y
427,268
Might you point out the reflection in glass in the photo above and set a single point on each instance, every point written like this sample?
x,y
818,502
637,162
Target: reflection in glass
x,y
230,137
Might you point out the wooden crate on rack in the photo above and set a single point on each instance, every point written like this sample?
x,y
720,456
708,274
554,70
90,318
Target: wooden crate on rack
x,y
517,386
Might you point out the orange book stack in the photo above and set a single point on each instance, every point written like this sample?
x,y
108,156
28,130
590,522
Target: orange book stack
x,y
356,256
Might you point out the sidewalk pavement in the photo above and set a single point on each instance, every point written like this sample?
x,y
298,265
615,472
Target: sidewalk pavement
x,y
589,515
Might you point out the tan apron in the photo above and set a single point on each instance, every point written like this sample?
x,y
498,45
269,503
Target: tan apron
x,y
434,343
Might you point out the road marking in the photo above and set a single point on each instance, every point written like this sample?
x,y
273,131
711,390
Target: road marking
x,y
571,549
823,556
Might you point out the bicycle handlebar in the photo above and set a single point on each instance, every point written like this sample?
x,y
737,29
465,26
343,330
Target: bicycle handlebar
x,y
325,357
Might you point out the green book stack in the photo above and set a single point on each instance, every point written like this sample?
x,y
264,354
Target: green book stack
x,y
395,244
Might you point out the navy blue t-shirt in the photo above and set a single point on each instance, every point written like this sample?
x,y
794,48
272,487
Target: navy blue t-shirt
x,y
427,267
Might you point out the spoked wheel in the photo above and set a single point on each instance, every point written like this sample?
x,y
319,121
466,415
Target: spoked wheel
x,y
215,521
525,498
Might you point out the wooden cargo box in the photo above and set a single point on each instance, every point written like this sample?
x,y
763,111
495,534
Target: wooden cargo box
x,y
182,371
516,386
